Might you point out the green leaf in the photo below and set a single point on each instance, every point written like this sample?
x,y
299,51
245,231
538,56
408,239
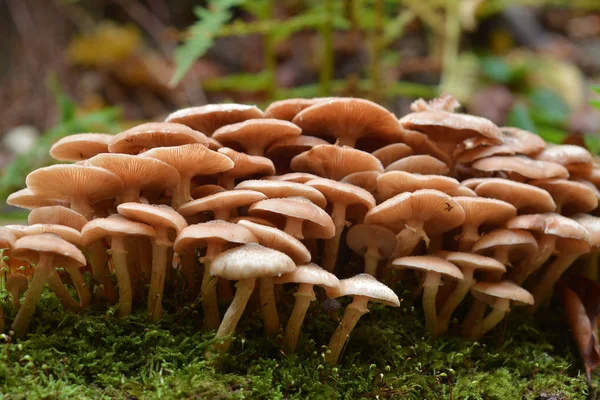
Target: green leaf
x,y
547,107
519,117
66,106
596,88
239,82
551,134
595,103
496,69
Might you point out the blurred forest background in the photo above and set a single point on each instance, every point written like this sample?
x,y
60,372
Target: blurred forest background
x,y
71,66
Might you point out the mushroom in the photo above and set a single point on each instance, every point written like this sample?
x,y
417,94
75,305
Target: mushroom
x,y
206,190
282,151
522,168
154,134
282,189
420,164
392,152
80,147
16,285
25,198
287,109
245,264
592,225
373,242
306,276
363,288
256,135
526,198
390,184
498,295
507,246
570,197
576,159
244,166
298,177
366,180
221,203
45,251
433,269
209,118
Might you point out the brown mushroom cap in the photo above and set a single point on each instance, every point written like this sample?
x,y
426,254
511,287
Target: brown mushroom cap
x,y
288,147
344,193
69,234
274,238
65,254
532,169
154,134
58,215
245,165
256,135
209,118
199,235
422,144
80,147
221,201
347,119
335,162
366,180
289,108
114,226
251,261
389,184
256,220
363,236
420,164
299,177
392,152
17,230
502,290
206,190
429,264
191,159
25,198
480,210
367,286
570,197
311,274
592,225
474,262
157,216
7,238
281,189
516,242
213,144
525,197
566,154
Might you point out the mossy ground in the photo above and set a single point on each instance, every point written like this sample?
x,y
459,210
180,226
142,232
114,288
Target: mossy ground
x,y
389,355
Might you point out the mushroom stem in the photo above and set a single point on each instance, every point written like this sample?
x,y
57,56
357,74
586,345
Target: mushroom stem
x,y
458,294
131,194
304,296
499,311
231,318
346,141
331,248
430,288
268,306
83,290
293,227
145,257
353,312
468,237
474,316
43,270
15,299
409,238
545,250
372,258
119,256
82,206
160,249
99,261
223,214
550,277
181,193
208,290
61,292
226,183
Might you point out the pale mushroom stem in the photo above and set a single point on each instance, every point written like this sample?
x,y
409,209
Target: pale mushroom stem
x,y
304,296
499,311
119,256
372,258
43,270
353,312
231,318
99,260
131,194
409,238
431,284
268,306
208,290
456,297
181,193
160,249
331,248
550,277
546,249
293,227
60,291
226,182
82,206
468,237
223,214
83,290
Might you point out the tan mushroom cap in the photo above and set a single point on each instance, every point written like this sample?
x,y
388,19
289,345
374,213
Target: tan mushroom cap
x,y
525,197
289,147
532,169
214,144
363,236
392,152
69,234
7,238
462,191
514,240
209,118
274,238
480,210
256,220
226,200
206,190
439,211
70,181
366,180
114,226
570,197
348,119
80,147
65,254
245,165
289,108
317,223
335,162
58,215
422,144
26,199
157,216
566,154
191,159
367,286
256,135
251,261
592,225
199,235
17,230
299,177
281,189
430,264
310,274
390,184
502,290
472,183
474,262
344,193
420,164
154,134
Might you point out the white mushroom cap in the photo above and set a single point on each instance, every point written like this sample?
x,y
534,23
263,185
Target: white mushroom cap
x,y
251,261
367,286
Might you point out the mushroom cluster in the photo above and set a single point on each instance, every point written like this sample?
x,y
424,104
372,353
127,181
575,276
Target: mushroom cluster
x,y
224,194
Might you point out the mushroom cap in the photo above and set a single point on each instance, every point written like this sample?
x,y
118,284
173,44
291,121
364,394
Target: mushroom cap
x,y
64,232
480,210
211,117
16,282
419,164
347,118
317,223
390,184
565,154
226,200
472,183
154,134
214,144
287,109
367,286
206,190
392,152
474,262
462,191
245,165
516,240
142,172
251,261
58,215
114,226
26,199
80,147
335,162
274,238
191,159
344,193
256,220
70,181
532,169
281,189
439,211
289,147
429,264
256,133
157,216
200,235
592,225
29,248
7,238
299,177
17,230
525,197
362,236
365,180
422,144
501,290
311,274
572,197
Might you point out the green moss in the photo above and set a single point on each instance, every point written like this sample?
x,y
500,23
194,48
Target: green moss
x,y
389,355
